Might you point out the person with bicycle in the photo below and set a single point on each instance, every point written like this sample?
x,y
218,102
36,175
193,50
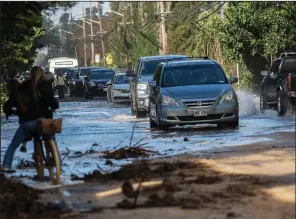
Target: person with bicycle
x,y
30,102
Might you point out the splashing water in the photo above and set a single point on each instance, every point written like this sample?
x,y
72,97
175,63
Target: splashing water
x,y
249,103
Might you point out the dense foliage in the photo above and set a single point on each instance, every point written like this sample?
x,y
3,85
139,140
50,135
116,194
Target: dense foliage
x,y
251,34
21,29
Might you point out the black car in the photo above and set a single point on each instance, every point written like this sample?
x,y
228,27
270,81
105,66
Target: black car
x,y
278,87
74,83
96,82
85,71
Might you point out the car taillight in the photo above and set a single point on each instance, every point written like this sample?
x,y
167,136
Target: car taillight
x,y
289,82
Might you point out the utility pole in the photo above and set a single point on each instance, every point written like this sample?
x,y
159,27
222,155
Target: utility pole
x,y
91,35
61,46
101,33
84,39
141,6
163,30
125,35
76,54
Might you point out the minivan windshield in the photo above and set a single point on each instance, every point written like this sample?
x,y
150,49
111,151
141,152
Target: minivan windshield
x,y
121,79
149,67
193,75
102,74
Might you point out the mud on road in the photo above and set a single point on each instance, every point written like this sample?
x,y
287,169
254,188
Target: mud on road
x,y
251,181
197,171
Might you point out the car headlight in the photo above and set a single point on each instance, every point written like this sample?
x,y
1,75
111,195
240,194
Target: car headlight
x,y
142,86
74,82
117,91
166,100
228,97
92,84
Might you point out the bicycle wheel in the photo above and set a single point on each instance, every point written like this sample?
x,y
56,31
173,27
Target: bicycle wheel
x,y
52,161
39,158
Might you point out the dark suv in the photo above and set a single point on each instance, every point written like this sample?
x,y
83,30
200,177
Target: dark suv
x,y
96,82
278,87
74,83
145,69
190,92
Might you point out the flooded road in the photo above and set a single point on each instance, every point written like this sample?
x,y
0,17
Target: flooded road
x,y
111,126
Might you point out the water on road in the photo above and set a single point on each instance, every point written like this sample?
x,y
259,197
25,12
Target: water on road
x,y
111,126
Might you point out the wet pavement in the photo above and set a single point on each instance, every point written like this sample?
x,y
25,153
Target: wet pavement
x,y
111,126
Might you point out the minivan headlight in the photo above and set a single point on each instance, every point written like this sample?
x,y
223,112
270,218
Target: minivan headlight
x,y
228,97
92,84
142,86
167,100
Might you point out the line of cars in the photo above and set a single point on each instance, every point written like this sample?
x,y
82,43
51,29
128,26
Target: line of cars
x,y
180,90
98,81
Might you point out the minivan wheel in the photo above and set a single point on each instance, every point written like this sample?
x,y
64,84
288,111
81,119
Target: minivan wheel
x,y
140,114
263,104
233,125
153,124
86,95
163,127
282,103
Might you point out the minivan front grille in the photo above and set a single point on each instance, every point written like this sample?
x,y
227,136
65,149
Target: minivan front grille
x,y
199,103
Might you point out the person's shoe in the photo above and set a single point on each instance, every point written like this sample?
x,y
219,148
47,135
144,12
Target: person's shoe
x,y
23,148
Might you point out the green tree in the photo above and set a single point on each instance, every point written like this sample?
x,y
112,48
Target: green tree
x,y
22,31
257,32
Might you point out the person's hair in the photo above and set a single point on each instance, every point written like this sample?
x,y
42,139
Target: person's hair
x,y
36,74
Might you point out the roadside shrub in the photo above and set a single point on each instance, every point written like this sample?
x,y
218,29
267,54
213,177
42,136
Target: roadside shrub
x,y
246,78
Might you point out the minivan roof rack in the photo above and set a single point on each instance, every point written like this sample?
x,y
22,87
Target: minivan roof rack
x,y
288,54
198,57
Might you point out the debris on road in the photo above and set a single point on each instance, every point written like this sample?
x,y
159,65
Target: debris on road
x,y
25,164
128,152
186,139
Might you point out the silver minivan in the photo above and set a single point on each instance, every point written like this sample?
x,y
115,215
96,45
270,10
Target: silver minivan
x,y
191,92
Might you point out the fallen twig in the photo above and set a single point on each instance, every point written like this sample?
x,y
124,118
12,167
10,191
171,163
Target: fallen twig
x,y
90,151
132,135
140,141
66,154
128,152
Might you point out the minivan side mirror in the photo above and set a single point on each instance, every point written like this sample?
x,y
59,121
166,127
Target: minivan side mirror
x,y
264,73
233,79
152,84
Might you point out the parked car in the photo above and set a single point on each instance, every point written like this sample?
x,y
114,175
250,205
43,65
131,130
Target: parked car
x,y
191,92
96,82
145,69
118,88
278,87
74,83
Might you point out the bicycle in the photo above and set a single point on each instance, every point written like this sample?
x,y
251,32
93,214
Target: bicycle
x,y
49,159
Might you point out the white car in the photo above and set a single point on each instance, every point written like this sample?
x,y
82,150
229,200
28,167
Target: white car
x,y
118,89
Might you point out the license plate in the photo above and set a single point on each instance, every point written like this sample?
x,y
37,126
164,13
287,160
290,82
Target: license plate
x,y
122,95
202,112
105,89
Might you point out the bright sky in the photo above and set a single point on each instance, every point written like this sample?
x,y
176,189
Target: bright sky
x,y
77,10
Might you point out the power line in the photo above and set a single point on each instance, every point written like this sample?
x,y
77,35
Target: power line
x,y
204,18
